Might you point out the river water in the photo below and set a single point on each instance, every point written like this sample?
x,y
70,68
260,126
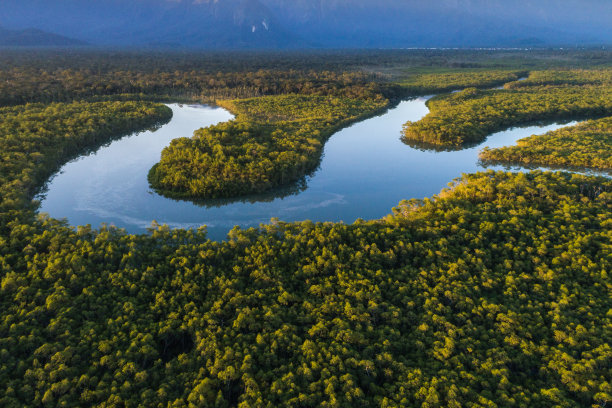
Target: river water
x,y
365,171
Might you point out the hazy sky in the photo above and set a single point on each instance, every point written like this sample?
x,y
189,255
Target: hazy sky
x,y
354,23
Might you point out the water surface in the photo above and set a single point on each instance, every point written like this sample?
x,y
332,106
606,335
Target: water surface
x,y
366,170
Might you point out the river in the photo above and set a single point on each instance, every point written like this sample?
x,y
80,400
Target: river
x,y
365,170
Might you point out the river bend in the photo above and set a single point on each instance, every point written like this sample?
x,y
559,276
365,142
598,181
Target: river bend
x,y
365,171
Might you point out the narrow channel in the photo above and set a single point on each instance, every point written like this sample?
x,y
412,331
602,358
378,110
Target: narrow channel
x,y
366,170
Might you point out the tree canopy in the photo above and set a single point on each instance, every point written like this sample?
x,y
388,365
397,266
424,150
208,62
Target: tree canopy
x,y
273,141
493,293
588,145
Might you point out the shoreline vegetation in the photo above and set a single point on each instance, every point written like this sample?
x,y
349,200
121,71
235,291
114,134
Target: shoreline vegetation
x,y
587,145
495,292
470,115
37,139
438,83
273,142
502,277
270,144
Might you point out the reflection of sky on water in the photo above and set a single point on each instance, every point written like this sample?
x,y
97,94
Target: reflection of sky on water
x,y
365,171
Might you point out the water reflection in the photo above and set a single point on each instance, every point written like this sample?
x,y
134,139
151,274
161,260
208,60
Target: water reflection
x,y
365,171
290,190
539,124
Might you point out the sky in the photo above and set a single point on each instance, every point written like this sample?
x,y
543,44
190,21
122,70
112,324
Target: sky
x,y
317,23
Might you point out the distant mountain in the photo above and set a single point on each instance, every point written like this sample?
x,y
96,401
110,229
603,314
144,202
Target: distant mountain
x,y
34,37
446,23
220,24
215,24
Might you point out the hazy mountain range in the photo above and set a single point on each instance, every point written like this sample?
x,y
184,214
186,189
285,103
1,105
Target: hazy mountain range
x,y
316,23
33,37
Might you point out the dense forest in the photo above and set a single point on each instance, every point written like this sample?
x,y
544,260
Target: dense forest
x,y
430,83
45,76
36,139
494,293
554,77
19,86
586,145
275,140
470,115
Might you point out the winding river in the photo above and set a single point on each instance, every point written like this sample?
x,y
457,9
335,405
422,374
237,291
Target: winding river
x,y
365,171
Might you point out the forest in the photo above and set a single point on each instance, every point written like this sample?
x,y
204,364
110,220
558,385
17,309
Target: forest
x,y
36,139
587,145
440,82
274,140
470,115
553,77
493,293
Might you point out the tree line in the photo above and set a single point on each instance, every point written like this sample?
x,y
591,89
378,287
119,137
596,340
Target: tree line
x,y
470,115
36,139
588,145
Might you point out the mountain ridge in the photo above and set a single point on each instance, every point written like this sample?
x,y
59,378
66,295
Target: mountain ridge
x,y
237,24
32,37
